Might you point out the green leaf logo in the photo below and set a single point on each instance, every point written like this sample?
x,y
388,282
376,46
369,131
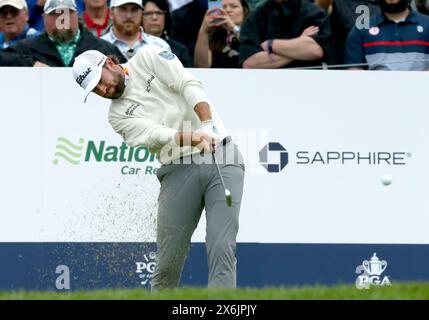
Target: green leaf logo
x,y
68,151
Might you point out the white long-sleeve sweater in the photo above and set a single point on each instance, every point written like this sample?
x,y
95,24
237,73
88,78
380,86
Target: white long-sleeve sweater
x,y
158,101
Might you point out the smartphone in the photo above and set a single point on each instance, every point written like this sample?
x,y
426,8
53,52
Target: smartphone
x,y
214,6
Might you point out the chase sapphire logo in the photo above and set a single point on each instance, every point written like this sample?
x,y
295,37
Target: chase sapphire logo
x,y
272,147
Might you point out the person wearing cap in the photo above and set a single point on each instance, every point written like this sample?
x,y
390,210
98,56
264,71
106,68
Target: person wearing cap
x,y
126,32
157,103
35,10
13,22
96,17
62,40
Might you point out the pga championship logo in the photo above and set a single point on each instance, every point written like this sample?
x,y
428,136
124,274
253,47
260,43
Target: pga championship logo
x,y
146,268
370,273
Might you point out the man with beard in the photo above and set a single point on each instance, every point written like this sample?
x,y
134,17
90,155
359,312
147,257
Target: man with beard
x,y
127,33
396,39
62,40
157,103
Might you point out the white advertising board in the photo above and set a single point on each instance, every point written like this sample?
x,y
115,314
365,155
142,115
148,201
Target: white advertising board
x,y
66,177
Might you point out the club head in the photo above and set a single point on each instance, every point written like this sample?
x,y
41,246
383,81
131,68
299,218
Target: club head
x,y
228,198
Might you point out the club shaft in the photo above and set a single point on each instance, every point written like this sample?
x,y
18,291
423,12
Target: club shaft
x,y
218,169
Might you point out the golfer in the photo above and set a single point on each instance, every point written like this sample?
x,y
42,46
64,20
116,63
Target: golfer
x,y
157,103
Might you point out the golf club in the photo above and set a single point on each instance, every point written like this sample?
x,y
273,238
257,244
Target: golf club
x,y
227,192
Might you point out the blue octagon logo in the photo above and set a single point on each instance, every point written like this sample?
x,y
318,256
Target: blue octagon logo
x,y
283,157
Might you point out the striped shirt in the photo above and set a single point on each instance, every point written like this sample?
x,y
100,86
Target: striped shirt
x,y
390,45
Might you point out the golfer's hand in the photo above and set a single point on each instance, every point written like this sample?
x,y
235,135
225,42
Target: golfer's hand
x,y
199,138
209,127
203,140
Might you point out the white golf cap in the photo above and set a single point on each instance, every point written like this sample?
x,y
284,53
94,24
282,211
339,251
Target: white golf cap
x,y
87,69
52,5
18,4
118,3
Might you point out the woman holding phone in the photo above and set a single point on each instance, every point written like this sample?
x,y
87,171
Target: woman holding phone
x,y
219,36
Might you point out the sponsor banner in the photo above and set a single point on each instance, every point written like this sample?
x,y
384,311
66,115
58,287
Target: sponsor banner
x,y
331,157
84,266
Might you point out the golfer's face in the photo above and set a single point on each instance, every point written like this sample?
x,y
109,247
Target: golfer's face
x,y
112,83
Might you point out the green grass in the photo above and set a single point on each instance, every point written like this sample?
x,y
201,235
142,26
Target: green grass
x,y
418,290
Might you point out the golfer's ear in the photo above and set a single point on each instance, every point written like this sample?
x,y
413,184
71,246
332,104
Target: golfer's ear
x,y
109,63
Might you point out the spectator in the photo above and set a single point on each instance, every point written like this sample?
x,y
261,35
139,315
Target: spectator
x,y
219,37
62,40
343,18
157,22
186,19
396,40
285,33
126,32
36,12
13,22
96,17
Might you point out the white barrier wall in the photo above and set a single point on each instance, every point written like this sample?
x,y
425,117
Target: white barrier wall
x,y
367,123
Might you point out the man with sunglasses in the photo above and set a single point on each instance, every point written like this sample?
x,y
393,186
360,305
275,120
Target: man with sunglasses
x,y
14,22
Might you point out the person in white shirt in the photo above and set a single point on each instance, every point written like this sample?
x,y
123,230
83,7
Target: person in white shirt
x,y
157,103
126,32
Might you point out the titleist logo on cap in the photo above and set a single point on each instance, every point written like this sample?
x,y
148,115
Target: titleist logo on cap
x,y
82,77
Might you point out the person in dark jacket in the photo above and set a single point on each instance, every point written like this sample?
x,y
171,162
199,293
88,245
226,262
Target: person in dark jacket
x,y
62,41
157,22
344,16
285,34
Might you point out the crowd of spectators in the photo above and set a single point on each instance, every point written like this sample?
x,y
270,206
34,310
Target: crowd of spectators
x,y
325,34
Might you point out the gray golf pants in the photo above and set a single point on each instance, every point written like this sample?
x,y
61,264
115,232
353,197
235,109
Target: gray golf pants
x,y
186,189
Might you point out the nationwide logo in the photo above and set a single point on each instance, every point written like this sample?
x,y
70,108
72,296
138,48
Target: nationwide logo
x,y
370,273
146,268
275,150
69,152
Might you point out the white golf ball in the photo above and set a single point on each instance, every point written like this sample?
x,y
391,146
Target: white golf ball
x,y
386,179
